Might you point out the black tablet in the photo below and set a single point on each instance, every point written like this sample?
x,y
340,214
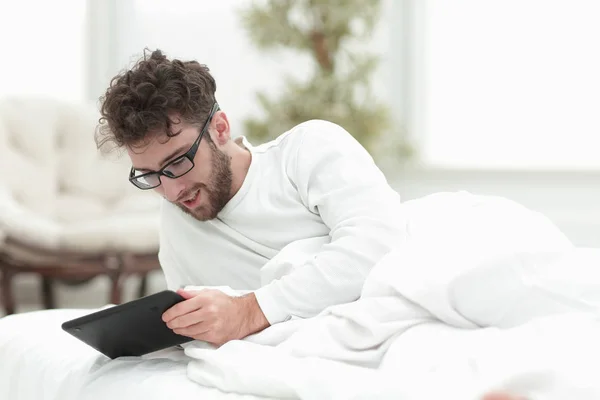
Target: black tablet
x,y
130,329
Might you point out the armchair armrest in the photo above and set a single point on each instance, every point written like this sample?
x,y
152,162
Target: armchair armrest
x,y
24,226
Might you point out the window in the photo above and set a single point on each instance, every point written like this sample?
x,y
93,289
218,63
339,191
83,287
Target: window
x,y
43,48
507,84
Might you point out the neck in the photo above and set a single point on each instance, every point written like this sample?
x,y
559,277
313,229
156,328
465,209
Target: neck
x,y
240,163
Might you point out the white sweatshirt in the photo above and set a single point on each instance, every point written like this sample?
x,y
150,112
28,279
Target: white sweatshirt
x,y
314,181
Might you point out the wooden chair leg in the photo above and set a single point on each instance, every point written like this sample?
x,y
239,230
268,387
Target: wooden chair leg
x,y
6,292
116,289
143,288
114,267
48,293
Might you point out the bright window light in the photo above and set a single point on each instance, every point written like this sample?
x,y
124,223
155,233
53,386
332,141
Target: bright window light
x,y
510,84
43,48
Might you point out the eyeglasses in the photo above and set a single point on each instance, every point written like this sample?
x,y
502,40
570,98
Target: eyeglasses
x,y
177,167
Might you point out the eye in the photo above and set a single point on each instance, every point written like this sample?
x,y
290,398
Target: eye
x,y
178,167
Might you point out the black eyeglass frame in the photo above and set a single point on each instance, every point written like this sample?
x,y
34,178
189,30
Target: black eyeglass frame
x,y
190,154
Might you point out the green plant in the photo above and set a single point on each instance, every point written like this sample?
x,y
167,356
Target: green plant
x,y
330,32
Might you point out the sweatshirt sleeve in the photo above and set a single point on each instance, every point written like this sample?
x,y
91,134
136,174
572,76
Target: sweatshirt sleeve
x,y
338,180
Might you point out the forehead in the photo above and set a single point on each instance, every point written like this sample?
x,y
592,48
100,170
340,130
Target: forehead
x,y
161,148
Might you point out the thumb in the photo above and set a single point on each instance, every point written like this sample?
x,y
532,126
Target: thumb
x,y
502,396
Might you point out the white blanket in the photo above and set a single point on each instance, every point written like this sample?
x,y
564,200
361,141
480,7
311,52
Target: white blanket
x,y
484,295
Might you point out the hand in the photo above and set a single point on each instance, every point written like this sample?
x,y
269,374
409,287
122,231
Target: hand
x,y
502,396
214,317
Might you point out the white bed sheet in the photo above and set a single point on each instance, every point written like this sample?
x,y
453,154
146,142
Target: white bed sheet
x,y
38,361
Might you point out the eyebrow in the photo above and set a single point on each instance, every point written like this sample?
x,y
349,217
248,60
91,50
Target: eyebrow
x,y
174,154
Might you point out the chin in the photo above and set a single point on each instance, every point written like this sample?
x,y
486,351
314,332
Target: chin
x,y
200,213
203,216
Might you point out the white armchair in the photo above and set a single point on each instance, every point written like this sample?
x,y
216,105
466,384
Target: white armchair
x,y
66,211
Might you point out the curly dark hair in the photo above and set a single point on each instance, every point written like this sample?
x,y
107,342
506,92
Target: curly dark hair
x,y
138,101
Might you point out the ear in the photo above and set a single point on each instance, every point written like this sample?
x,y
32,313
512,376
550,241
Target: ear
x,y
221,127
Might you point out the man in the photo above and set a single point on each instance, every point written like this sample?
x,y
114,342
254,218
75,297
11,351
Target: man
x,y
230,207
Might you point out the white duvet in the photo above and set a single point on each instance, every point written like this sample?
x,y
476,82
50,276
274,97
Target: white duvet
x,y
483,295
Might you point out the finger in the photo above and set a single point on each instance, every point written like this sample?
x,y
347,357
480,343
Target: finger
x,y
182,308
187,294
196,331
502,396
183,321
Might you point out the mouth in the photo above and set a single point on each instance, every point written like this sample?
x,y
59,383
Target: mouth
x,y
193,200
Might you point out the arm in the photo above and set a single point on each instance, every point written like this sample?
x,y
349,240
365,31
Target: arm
x,y
337,179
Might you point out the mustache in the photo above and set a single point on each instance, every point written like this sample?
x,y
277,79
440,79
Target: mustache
x,y
189,192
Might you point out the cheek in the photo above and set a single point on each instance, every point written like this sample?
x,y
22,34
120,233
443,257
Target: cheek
x,y
201,173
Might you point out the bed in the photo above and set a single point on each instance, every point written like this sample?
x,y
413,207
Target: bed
x,y
504,302
552,359
38,361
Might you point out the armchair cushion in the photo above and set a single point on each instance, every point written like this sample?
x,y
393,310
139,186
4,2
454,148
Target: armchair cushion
x,y
59,193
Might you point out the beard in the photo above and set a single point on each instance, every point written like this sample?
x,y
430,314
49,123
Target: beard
x,y
217,190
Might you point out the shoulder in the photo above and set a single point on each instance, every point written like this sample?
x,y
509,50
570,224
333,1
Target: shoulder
x,y
313,135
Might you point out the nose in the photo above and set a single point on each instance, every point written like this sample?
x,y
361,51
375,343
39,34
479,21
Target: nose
x,y
172,188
